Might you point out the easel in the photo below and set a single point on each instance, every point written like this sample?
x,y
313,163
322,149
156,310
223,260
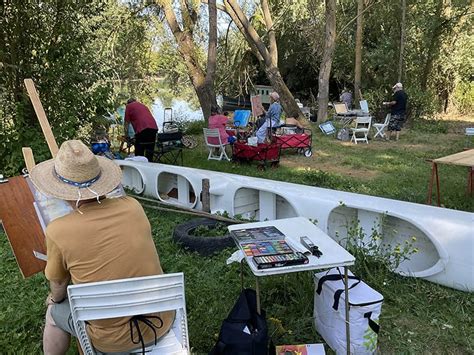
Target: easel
x,y
17,212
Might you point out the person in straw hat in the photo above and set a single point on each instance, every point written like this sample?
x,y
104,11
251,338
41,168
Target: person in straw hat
x,y
95,242
398,108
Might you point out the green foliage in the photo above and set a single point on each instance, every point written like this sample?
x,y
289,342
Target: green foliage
x,y
194,127
463,97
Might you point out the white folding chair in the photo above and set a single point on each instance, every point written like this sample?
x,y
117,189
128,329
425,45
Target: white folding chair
x,y
380,127
215,145
129,297
361,130
364,106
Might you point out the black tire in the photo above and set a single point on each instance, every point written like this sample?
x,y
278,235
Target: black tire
x,y
183,235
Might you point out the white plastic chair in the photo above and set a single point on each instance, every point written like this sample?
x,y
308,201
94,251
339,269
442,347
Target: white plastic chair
x,y
129,297
362,127
380,127
216,151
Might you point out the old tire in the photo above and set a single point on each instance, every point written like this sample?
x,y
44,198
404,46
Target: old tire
x,y
183,235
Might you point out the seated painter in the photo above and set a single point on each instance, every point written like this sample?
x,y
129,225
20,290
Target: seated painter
x,y
272,117
219,121
94,243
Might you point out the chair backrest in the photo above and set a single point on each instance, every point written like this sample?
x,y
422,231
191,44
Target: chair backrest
x,y
364,106
340,108
127,297
215,136
363,122
387,119
241,118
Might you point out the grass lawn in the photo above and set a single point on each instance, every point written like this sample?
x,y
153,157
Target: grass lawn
x,y
417,316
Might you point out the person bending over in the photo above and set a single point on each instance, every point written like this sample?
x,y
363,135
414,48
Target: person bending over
x,y
398,111
95,242
272,117
144,125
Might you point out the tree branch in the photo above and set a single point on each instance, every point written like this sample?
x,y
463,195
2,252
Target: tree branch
x,y
271,31
356,17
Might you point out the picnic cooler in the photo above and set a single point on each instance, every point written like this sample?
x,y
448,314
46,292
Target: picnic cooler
x,y
365,305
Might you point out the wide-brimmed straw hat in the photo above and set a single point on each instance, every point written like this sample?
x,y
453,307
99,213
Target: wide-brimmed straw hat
x,y
76,174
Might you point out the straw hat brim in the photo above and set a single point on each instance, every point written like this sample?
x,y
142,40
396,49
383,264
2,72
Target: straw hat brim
x,y
45,180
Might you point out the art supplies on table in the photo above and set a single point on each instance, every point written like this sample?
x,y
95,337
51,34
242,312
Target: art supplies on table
x,y
267,247
270,261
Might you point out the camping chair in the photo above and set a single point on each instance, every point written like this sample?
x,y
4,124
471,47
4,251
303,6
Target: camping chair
x,y
380,127
362,126
212,138
129,297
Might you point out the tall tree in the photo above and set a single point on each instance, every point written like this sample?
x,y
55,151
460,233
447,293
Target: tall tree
x,y
326,62
266,55
358,50
202,79
402,40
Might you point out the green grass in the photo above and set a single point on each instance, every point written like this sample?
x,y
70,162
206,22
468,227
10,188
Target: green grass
x,y
418,317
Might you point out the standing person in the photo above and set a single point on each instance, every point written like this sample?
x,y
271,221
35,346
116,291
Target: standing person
x,y
102,239
398,111
346,97
216,120
144,125
272,117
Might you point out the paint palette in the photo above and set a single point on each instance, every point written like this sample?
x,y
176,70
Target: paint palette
x,y
257,234
270,261
272,247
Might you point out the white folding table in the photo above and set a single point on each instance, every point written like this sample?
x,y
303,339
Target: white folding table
x,y
334,255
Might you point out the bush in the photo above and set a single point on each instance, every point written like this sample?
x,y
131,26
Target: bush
x,y
193,127
463,97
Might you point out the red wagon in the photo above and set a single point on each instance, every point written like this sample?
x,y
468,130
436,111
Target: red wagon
x,y
302,142
263,153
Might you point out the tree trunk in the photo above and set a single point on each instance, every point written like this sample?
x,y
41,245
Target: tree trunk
x,y
286,98
266,56
326,62
211,60
402,40
358,50
203,83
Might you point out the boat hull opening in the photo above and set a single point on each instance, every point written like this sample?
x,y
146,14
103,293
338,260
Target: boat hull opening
x,y
387,233
175,189
262,205
132,179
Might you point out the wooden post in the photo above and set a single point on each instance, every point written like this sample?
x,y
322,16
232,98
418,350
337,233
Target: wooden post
x,y
43,120
29,158
437,184
206,196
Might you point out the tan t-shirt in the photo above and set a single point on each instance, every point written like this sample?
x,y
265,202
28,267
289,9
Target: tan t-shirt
x,y
111,240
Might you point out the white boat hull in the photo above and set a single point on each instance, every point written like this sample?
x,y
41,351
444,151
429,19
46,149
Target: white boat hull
x,y
444,237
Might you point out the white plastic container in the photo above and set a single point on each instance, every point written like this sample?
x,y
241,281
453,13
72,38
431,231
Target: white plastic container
x,y
365,305
252,141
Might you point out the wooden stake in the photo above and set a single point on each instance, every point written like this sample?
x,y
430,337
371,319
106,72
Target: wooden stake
x,y
206,197
43,120
29,158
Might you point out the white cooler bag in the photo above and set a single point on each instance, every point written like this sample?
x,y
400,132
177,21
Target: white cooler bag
x,y
365,305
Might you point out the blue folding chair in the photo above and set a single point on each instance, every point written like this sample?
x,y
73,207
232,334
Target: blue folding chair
x,y
241,118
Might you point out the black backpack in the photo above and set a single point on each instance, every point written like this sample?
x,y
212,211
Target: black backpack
x,y
244,331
